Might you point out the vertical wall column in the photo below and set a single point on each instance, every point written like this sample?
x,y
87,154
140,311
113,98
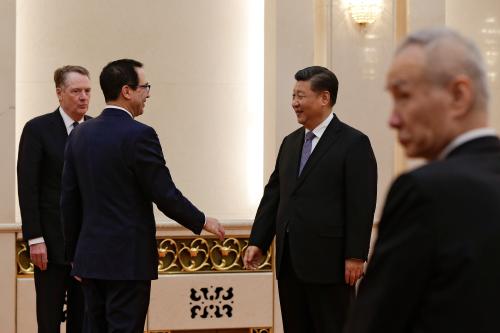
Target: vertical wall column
x,y
360,56
7,163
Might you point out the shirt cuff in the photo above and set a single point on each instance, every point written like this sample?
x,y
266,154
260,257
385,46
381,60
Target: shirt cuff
x,y
37,240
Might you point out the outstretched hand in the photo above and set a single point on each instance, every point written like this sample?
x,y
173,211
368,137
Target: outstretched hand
x,y
213,226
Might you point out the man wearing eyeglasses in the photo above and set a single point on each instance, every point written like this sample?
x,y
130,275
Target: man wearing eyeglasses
x,y
39,170
114,170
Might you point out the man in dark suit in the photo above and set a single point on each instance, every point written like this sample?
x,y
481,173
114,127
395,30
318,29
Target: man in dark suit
x,y
320,208
434,266
39,169
114,171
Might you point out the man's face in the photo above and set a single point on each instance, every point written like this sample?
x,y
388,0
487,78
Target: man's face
x,y
421,109
310,107
139,95
74,95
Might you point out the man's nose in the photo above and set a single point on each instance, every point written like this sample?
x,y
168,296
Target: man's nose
x,y
394,120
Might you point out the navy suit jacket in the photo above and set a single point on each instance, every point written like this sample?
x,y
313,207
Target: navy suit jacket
x,y
114,170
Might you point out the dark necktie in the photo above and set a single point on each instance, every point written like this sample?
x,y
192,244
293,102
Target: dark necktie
x,y
74,126
306,150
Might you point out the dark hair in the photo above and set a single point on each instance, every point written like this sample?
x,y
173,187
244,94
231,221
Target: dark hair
x,y
117,74
322,79
61,73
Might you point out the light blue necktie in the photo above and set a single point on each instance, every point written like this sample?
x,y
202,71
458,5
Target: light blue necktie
x,y
306,150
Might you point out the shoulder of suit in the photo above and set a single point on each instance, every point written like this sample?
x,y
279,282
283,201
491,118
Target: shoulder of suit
x,y
348,129
298,131
42,119
438,175
141,128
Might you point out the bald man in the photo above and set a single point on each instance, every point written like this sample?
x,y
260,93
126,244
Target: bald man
x,y
435,263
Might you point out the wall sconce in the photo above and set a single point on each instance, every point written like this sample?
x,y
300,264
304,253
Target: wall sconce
x,y
364,12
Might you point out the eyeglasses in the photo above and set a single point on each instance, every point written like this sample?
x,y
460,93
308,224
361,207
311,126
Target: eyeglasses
x,y
146,86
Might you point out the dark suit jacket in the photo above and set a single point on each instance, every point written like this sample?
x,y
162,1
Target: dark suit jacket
x,y
435,263
39,169
328,210
114,171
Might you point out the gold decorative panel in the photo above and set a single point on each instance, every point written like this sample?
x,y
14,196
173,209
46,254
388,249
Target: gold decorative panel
x,y
189,255
250,330
24,264
181,255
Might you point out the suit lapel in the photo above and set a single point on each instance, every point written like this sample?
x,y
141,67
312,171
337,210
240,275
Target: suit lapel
x,y
58,125
326,141
296,143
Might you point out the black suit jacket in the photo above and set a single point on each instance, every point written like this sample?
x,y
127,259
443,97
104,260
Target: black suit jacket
x,y
435,263
114,170
328,210
39,169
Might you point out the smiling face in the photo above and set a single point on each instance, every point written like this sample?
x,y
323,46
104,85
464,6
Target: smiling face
x,y
74,95
310,107
421,109
139,95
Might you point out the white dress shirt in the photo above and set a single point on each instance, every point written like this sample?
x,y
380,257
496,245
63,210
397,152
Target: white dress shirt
x,y
319,130
466,137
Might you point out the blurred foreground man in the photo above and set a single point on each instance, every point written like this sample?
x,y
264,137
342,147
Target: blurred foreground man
x,y
319,202
435,263
114,170
39,169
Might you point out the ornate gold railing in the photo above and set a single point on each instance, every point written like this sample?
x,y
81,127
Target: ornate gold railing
x,y
182,255
250,330
204,255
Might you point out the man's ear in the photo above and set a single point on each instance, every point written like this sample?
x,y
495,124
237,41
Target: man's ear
x,y
58,92
325,98
462,95
126,92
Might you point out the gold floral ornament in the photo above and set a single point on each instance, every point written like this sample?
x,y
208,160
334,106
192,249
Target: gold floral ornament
x,y
167,253
195,256
24,264
227,255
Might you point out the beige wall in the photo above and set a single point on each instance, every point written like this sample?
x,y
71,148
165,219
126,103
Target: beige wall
x,y
7,109
480,20
198,56
7,165
360,57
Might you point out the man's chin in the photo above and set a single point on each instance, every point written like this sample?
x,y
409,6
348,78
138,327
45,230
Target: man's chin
x,y
300,120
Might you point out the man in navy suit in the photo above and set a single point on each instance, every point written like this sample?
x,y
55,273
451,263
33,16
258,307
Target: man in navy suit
x,y
435,264
114,171
39,170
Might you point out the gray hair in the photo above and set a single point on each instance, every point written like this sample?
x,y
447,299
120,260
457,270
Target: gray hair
x,y
449,54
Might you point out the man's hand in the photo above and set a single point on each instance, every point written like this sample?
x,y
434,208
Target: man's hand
x,y
38,255
253,257
353,270
214,227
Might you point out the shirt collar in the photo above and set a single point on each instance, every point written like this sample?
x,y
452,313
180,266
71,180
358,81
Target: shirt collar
x,y
320,129
68,121
466,137
119,108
